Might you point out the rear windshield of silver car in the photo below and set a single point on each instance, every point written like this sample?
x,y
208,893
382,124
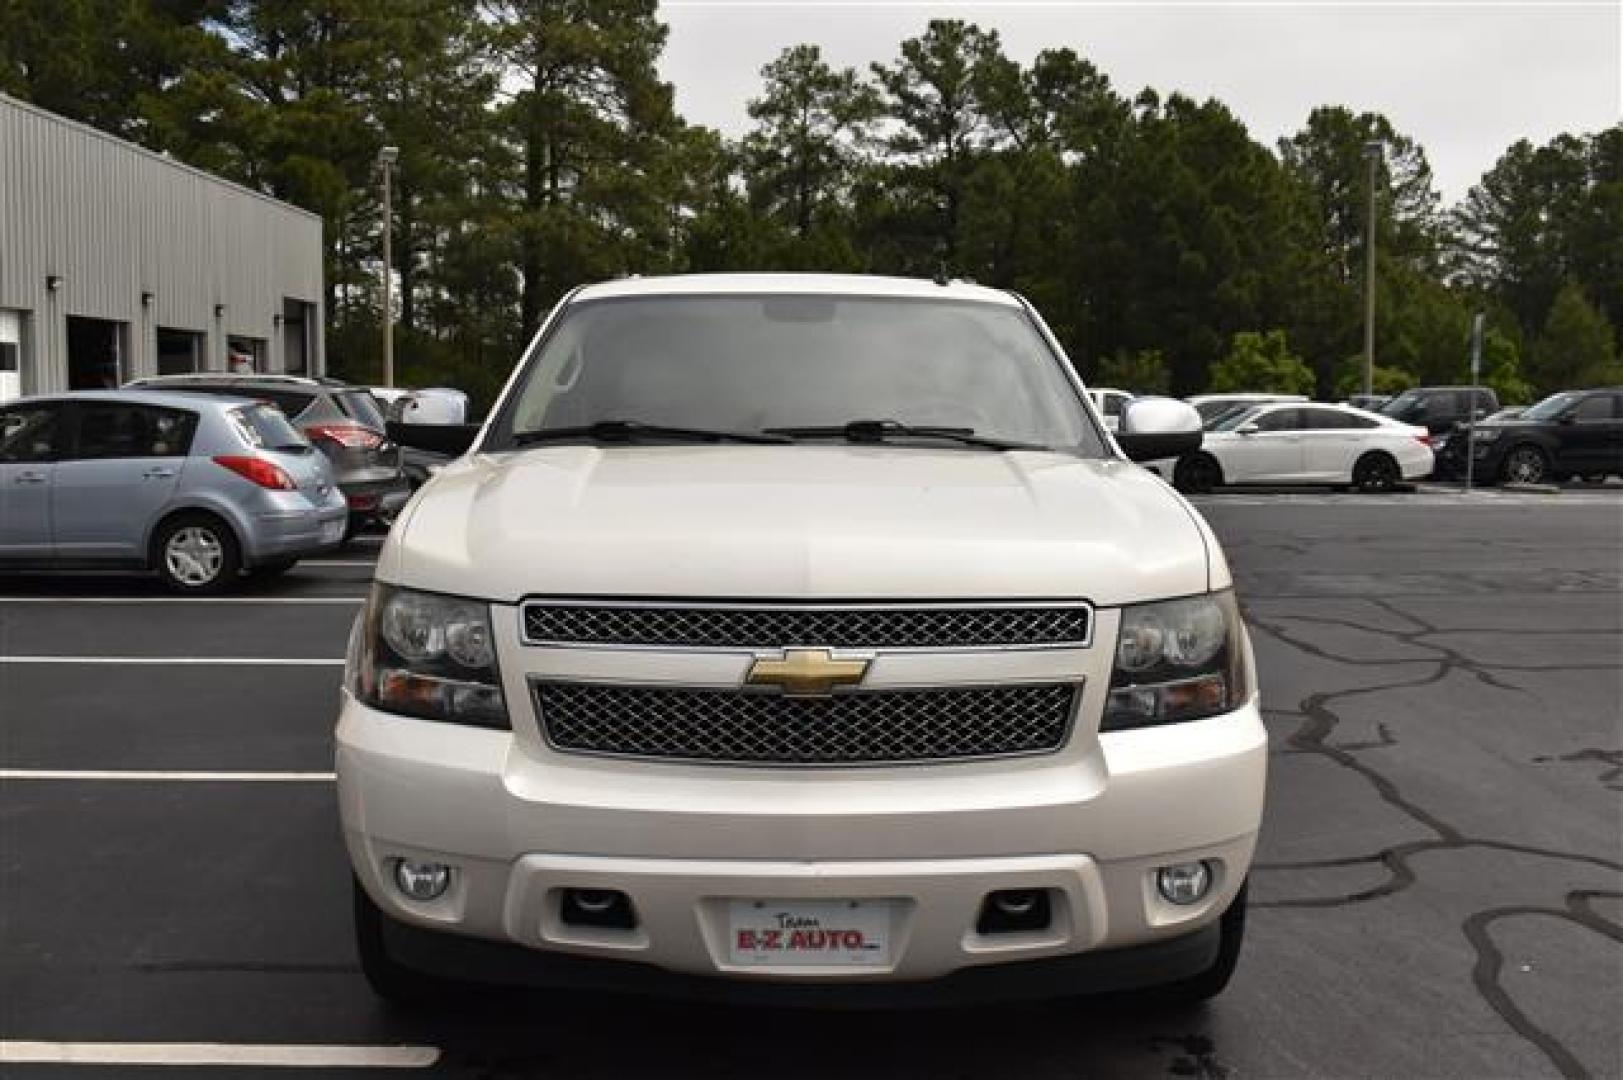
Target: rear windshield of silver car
x,y
265,428
747,363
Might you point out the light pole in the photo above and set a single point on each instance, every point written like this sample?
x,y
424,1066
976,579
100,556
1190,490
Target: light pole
x,y
1372,153
386,159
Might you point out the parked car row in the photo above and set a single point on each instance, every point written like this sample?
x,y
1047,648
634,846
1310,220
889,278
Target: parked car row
x,y
343,421
1578,433
194,489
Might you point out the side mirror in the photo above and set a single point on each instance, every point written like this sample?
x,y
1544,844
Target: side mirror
x,y
1566,418
1249,428
1158,427
452,440
434,406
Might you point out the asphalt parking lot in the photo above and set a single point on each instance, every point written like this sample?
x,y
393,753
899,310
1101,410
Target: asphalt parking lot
x,y
1439,890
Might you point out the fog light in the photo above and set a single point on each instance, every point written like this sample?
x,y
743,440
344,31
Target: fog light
x,y
421,881
609,909
1013,911
1185,883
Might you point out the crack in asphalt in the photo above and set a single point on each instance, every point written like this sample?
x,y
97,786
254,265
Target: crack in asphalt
x,y
1490,962
1316,723
1613,758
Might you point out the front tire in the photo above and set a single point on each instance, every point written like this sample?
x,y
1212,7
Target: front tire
x,y
196,554
1525,464
1197,474
388,979
1376,472
1186,993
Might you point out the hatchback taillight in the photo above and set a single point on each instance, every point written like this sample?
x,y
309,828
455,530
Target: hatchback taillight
x,y
266,474
353,436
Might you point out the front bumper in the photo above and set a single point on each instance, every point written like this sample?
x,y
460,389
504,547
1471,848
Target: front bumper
x,y
1091,825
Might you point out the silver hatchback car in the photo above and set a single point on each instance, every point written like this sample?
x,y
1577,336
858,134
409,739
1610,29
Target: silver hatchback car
x,y
197,489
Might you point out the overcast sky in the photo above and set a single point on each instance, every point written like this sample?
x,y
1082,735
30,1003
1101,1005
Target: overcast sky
x,y
1465,79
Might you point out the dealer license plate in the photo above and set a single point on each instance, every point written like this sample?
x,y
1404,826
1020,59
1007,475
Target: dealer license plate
x,y
332,531
809,933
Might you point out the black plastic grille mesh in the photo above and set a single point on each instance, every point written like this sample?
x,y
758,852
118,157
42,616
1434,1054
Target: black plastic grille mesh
x,y
861,627
943,724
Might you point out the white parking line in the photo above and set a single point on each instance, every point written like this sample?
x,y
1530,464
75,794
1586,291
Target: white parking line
x,y
224,661
164,776
289,1055
182,599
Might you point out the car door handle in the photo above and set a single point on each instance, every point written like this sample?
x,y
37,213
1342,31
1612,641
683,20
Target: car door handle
x,y
158,474
30,478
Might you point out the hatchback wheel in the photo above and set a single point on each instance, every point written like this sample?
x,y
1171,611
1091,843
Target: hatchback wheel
x,y
1526,465
196,553
1376,472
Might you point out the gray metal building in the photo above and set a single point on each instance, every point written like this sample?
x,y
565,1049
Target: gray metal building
x,y
117,262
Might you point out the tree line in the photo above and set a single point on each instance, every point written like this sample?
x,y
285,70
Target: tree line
x,y
539,149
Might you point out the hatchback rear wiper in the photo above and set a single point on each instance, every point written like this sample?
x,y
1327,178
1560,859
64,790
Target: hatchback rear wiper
x,y
636,431
878,431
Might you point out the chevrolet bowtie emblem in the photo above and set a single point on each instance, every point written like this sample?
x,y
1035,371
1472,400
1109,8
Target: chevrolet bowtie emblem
x,y
806,672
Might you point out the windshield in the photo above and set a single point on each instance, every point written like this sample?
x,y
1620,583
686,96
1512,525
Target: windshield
x,y
1402,405
747,363
361,407
1551,407
264,427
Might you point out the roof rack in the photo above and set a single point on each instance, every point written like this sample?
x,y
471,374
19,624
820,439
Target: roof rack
x,y
229,376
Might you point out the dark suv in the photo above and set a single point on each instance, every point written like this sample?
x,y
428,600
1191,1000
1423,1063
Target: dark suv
x,y
1574,433
342,421
1439,408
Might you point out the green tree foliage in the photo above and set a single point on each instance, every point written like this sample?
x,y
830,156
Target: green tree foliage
x,y
1327,156
1264,363
590,121
1383,380
1502,369
1576,348
539,149
935,94
1142,372
1543,216
803,155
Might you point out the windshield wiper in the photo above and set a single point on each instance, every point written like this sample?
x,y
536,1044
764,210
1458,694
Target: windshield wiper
x,y
879,431
635,431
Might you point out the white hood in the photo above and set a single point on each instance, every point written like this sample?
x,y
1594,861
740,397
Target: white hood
x,y
799,522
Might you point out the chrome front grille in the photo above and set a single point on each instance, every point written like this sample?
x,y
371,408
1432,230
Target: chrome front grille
x,y
740,727
758,626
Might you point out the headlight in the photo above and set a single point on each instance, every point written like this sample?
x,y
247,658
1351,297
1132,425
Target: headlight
x,y
1177,660
425,655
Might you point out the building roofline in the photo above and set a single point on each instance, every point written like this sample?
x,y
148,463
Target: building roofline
x,y
174,163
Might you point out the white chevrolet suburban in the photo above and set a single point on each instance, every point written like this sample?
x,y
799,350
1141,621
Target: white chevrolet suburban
x,y
802,636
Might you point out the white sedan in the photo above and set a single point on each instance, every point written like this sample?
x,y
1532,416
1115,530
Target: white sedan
x,y
1304,443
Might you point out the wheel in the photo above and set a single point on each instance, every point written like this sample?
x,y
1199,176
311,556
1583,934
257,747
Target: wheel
x,y
196,553
274,568
389,980
1376,472
1197,474
1525,464
1211,982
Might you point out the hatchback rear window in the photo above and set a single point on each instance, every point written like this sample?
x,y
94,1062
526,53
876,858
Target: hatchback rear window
x,y
265,428
361,407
